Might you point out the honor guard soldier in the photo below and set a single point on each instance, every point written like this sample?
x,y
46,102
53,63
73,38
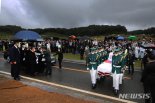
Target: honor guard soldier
x,y
116,70
98,52
104,55
124,59
92,66
123,62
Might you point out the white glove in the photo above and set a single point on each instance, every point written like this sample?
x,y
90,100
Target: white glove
x,y
87,68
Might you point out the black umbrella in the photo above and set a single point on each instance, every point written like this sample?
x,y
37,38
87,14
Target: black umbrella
x,y
148,46
84,38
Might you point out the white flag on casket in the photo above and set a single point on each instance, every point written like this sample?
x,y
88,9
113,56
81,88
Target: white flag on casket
x,y
105,67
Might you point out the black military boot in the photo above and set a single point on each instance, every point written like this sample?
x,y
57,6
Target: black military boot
x,y
93,86
116,92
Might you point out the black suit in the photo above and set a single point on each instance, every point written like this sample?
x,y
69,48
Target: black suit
x,y
15,67
60,58
41,64
148,79
131,60
48,69
31,62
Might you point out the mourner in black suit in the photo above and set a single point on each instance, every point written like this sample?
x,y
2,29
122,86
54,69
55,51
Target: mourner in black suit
x,y
148,77
41,61
15,61
31,61
60,57
47,56
131,60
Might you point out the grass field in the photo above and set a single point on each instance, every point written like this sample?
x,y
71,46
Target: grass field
x,y
72,56
5,35
48,35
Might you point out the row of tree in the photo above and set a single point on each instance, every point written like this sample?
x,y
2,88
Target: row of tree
x,y
80,31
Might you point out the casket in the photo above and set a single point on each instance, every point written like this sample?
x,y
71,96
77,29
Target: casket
x,y
105,68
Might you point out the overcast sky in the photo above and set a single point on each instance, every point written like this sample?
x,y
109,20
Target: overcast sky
x,y
133,14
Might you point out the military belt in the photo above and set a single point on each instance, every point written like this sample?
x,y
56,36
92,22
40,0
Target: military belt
x,y
92,62
116,66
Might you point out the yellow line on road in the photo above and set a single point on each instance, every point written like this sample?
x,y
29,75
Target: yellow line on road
x,y
73,89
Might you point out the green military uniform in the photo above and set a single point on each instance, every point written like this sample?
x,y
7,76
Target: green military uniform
x,y
99,60
116,63
117,70
105,57
92,61
124,60
92,66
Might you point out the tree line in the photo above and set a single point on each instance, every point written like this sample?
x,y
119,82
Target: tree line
x,y
90,30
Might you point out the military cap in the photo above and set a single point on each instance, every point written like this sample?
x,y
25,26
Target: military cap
x,y
93,49
117,50
44,47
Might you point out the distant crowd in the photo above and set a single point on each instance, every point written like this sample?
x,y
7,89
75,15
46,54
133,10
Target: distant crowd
x,y
81,47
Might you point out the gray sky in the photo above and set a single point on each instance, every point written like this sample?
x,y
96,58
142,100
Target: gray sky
x,y
133,14
0,5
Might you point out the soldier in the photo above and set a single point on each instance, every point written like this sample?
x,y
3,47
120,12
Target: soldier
x,y
116,70
92,66
105,55
124,61
87,51
100,53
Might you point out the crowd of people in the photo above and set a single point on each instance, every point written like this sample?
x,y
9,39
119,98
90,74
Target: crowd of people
x,y
33,60
37,55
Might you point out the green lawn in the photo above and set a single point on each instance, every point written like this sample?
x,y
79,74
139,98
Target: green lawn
x,y
137,64
5,35
49,34
72,56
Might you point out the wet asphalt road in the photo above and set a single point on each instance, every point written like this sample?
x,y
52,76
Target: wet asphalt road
x,y
69,76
